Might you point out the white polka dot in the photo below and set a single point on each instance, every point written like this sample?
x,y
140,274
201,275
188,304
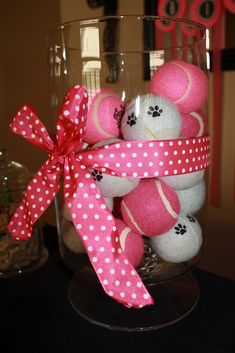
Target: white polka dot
x,y
146,296
94,259
66,113
117,283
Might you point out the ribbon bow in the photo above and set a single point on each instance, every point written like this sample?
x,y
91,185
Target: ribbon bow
x,y
91,218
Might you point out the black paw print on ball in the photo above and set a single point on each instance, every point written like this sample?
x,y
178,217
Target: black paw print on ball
x,y
190,218
97,175
180,229
131,119
154,111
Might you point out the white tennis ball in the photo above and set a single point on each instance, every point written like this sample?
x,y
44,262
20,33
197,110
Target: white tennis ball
x,y
109,185
181,243
183,181
192,199
150,117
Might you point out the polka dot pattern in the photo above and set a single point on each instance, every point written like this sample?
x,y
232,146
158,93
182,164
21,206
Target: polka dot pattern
x,y
92,219
147,159
27,124
38,195
100,237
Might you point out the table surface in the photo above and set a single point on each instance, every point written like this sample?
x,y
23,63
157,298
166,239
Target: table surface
x,y
36,316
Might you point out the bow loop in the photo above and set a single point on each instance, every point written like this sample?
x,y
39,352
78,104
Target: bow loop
x,y
71,122
39,194
27,124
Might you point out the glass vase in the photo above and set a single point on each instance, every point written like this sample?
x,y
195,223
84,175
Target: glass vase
x,y
16,258
119,56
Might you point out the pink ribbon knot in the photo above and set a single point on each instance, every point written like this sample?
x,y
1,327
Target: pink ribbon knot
x,y
93,221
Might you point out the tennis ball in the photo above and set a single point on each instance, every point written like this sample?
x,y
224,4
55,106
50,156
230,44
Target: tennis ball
x,y
183,181
184,84
151,208
192,199
150,117
193,124
71,239
109,185
103,117
132,243
181,243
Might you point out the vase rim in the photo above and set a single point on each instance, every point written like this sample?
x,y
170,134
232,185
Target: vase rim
x,y
99,19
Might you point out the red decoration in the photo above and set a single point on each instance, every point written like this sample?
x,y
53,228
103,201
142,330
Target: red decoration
x,y
91,218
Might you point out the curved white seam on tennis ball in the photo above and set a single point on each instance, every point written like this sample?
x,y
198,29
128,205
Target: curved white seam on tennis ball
x,y
199,119
132,219
165,201
162,133
95,117
189,79
123,236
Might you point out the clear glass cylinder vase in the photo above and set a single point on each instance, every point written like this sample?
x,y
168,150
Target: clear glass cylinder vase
x,y
146,80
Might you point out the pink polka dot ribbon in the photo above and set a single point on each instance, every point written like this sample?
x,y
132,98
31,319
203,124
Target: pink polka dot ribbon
x,y
91,218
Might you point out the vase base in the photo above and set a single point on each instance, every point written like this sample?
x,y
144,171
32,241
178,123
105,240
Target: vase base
x,y
174,300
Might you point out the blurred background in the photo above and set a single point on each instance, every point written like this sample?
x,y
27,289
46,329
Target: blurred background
x,y
24,72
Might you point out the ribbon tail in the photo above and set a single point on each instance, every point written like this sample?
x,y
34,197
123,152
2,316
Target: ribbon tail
x,y
38,196
96,227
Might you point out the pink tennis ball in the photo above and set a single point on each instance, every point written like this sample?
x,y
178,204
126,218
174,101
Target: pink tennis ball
x,y
103,117
184,84
132,243
193,124
151,208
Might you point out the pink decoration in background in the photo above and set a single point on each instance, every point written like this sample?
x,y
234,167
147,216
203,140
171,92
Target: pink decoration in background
x,y
89,213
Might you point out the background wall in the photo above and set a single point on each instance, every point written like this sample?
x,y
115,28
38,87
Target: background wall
x,y
24,78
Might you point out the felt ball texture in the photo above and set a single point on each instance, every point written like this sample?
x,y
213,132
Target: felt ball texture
x,y
183,181
109,185
150,117
71,238
132,243
184,84
66,215
192,199
193,124
181,243
151,208
103,116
